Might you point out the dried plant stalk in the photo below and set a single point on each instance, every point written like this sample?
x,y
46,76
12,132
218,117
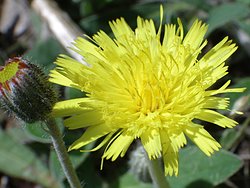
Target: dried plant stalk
x,y
60,24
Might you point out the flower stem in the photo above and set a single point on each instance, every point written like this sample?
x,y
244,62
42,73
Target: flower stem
x,y
62,154
156,172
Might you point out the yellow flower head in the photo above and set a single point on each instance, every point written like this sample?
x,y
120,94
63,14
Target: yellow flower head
x,y
142,86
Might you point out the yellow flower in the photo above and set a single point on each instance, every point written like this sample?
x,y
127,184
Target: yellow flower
x,y
142,86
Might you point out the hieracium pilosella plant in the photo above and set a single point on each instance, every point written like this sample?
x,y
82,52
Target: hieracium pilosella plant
x,y
140,86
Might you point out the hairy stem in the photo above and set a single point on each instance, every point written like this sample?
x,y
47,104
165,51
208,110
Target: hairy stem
x,y
157,174
62,154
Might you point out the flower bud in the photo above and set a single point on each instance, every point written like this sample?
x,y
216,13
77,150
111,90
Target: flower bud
x,y
139,165
25,91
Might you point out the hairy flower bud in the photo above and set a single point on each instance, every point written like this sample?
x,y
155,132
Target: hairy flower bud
x,y
25,91
139,165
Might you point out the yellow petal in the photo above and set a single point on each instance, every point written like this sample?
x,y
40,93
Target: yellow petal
x,y
121,29
218,54
216,103
84,119
216,118
152,143
91,134
178,138
67,72
195,35
119,146
70,107
170,158
169,155
202,139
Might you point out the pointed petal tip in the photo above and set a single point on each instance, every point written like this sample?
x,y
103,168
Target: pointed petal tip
x,y
70,148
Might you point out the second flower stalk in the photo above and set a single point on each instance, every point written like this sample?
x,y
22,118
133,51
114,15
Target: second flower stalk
x,y
26,93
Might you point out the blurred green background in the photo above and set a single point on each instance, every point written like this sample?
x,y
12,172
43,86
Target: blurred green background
x,y
27,158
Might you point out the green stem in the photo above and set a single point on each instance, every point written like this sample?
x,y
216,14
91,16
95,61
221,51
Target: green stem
x,y
240,134
62,154
157,174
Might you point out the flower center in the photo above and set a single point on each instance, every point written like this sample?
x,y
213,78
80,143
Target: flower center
x,y
151,95
10,72
150,99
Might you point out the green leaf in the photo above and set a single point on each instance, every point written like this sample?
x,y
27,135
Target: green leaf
x,y
37,133
228,138
76,158
151,10
90,174
198,170
247,2
225,13
72,93
245,26
19,161
18,134
45,52
129,181
199,4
